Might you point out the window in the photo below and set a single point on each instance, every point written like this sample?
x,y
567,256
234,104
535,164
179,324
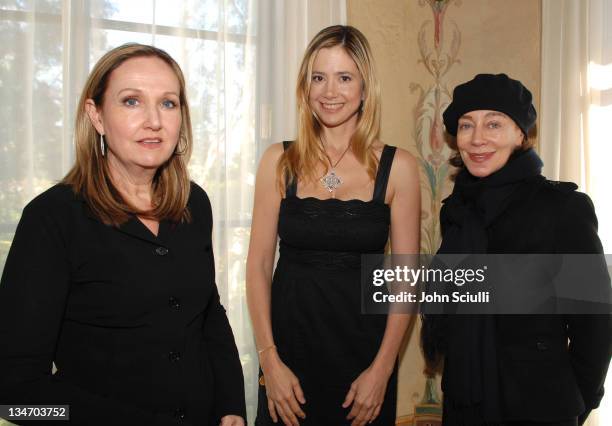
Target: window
x,y
48,48
207,38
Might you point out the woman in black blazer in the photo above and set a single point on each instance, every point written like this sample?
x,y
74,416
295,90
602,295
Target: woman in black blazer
x,y
111,273
513,369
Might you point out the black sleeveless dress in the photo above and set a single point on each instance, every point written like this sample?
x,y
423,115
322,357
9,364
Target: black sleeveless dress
x,y
318,327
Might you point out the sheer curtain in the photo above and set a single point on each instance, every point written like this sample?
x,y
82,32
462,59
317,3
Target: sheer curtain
x,y
240,60
576,110
577,99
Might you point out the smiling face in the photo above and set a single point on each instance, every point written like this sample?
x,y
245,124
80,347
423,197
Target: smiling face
x,y
140,116
335,88
485,140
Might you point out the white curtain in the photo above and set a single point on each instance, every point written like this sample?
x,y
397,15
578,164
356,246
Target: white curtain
x,y
564,106
284,30
576,110
240,59
577,99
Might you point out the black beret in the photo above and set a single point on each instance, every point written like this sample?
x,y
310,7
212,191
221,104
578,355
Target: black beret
x,y
491,92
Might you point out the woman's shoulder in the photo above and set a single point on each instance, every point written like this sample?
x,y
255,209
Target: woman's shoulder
x,y
572,216
274,151
57,198
267,164
569,198
199,206
58,208
403,157
562,202
403,176
198,197
558,193
404,166
400,155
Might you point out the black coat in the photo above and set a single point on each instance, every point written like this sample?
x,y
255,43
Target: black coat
x,y
132,321
542,377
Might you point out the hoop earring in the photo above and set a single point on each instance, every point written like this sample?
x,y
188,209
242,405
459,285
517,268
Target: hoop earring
x,y
102,146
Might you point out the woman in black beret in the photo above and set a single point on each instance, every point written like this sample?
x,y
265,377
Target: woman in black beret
x,y
512,369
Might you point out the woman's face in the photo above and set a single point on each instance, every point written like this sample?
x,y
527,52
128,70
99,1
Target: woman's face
x,y
485,140
336,87
140,116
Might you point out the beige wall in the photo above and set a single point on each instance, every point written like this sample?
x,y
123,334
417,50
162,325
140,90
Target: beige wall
x,y
475,36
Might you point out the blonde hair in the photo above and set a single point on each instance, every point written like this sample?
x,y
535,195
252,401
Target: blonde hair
x,y
90,176
306,153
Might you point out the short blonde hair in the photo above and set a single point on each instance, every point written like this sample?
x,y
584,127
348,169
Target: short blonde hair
x,y
302,158
90,176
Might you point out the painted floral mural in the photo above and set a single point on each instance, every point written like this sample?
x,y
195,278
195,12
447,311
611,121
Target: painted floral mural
x,y
438,53
438,44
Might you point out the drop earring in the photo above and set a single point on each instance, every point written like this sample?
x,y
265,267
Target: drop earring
x,y
102,146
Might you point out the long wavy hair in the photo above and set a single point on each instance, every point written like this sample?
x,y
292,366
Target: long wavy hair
x,y
90,175
306,153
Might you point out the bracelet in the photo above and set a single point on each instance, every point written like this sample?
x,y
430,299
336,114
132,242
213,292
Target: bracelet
x,y
259,352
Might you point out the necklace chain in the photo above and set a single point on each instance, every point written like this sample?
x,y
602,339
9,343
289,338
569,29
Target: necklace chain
x,y
331,181
333,166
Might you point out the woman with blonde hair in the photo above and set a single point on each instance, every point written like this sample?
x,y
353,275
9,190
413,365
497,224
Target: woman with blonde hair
x,y
333,194
111,274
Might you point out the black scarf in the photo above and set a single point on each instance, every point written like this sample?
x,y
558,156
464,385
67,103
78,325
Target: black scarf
x,y
475,203
468,341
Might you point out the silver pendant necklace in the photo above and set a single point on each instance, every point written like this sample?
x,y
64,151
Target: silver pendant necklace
x,y
331,181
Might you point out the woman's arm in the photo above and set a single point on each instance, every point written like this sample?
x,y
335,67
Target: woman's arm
x,y
368,391
262,247
405,239
33,294
217,333
229,382
282,386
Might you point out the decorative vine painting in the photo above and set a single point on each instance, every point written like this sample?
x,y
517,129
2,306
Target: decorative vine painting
x,y
438,53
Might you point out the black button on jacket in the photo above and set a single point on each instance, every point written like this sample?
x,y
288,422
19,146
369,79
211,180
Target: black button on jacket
x,y
94,299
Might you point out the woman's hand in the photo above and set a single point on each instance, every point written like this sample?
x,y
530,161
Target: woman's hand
x,y
366,394
231,421
283,390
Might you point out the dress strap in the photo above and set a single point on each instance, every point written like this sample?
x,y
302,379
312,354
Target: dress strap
x,y
290,187
382,176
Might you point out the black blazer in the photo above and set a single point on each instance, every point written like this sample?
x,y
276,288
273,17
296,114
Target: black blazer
x,y
132,321
551,367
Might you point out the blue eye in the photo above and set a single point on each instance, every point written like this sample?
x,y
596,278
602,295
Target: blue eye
x,y
130,102
493,125
464,126
169,104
